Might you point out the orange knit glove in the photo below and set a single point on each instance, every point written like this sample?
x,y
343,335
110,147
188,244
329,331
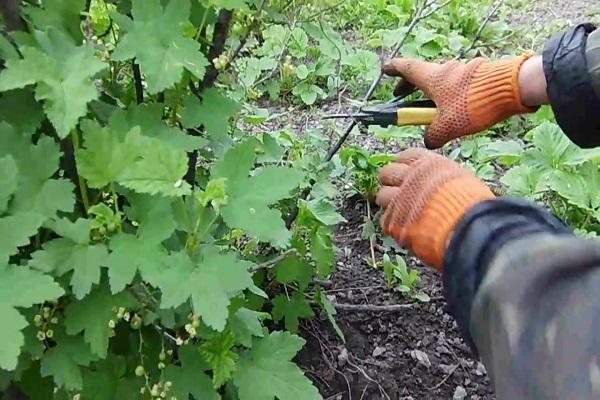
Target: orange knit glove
x,y
470,97
425,196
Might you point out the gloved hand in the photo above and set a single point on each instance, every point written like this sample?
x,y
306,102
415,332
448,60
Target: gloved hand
x,y
470,97
425,195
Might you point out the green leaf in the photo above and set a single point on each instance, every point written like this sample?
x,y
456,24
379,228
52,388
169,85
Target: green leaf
x,y
217,352
291,310
105,157
524,181
19,108
102,380
307,92
581,189
294,269
229,4
214,112
15,231
20,287
159,171
11,336
8,180
130,254
268,363
64,255
63,14
324,211
92,314
189,379
166,51
36,163
250,196
508,152
64,361
247,323
210,284
552,149
63,76
321,248
149,119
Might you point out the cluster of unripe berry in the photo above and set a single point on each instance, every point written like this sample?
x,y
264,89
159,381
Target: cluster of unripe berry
x,y
43,321
135,321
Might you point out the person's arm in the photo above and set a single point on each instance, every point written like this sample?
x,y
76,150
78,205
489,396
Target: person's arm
x,y
522,288
474,96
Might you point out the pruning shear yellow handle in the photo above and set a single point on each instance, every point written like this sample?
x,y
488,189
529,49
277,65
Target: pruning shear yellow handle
x,y
399,113
416,115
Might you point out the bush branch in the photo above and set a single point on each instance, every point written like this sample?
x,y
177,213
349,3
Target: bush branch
x,y
274,261
137,80
216,49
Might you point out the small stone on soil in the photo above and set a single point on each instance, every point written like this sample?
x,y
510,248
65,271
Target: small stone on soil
x,y
421,357
459,393
379,350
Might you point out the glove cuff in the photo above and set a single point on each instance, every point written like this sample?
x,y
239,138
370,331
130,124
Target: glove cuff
x,y
429,237
494,92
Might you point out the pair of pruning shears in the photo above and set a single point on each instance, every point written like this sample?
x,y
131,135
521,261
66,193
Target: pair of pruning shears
x,y
397,112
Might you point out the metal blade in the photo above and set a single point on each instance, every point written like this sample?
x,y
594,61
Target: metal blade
x,y
331,116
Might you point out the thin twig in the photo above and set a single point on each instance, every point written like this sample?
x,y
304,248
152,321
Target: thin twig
x,y
371,237
419,16
244,38
137,79
274,261
445,379
372,307
481,28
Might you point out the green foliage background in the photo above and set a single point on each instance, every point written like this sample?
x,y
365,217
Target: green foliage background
x,y
152,243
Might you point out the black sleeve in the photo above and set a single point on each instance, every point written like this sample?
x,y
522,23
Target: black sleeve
x,y
569,67
524,290
485,229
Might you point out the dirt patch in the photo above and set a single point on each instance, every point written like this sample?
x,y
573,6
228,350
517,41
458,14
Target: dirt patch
x,y
544,13
416,353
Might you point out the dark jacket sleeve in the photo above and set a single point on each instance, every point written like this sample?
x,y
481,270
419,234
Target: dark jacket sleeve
x,y
525,292
572,69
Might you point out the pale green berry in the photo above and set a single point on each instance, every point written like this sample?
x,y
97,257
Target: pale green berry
x,y
155,391
54,320
76,396
126,317
161,365
111,324
168,384
37,320
41,336
49,333
139,370
162,355
170,352
179,341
